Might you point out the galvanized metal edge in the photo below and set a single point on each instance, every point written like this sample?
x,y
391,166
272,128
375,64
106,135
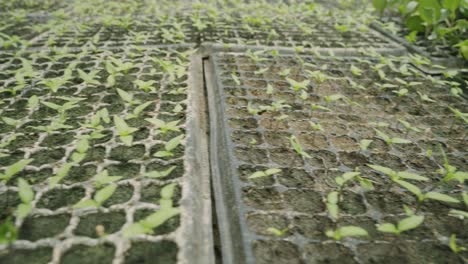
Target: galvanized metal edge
x,y
195,236
235,247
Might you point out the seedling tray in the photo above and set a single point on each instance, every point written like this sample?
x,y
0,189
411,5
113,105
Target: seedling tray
x,y
237,31
293,201
55,231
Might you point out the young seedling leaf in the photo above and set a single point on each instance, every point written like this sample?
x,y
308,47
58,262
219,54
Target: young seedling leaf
x,y
23,210
411,176
298,148
103,178
387,228
364,144
25,191
440,197
351,231
173,143
410,187
400,141
160,174
266,173
105,193
167,191
86,204
410,223
61,173
458,213
382,169
453,245
277,232
14,169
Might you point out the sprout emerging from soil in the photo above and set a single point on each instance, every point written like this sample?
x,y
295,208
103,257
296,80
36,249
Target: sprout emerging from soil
x,y
346,231
408,223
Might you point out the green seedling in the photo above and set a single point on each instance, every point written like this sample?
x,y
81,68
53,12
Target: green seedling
x,y
89,78
127,97
318,76
252,110
334,98
277,106
169,147
5,142
453,245
255,56
297,147
95,121
113,73
364,144
166,212
13,122
121,66
13,169
138,110
177,109
421,197
160,174
304,95
458,213
284,72
124,131
332,205
408,223
26,195
315,126
425,97
407,84
61,173
277,232
164,127
459,115
81,148
265,173
341,28
56,123
347,177
390,140
355,85
355,70
319,107
33,102
451,172
379,124
20,85
55,83
297,86
99,198
103,178
269,89
428,153
145,86
61,108
408,126
398,175
455,89
401,92
261,71
235,79
346,231
8,232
